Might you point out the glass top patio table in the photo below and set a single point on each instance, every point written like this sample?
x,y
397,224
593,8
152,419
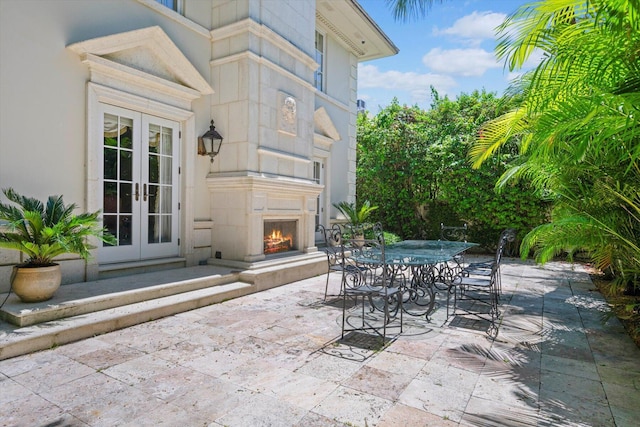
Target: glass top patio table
x,y
414,265
415,252
424,252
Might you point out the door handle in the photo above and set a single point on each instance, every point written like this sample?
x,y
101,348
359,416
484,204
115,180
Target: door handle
x,y
137,192
144,192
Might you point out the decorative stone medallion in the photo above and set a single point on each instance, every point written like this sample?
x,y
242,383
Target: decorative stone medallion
x,y
288,114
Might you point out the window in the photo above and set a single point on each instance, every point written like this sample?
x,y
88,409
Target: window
x,y
319,74
172,4
317,178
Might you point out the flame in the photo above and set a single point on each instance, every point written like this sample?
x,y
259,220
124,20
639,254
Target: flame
x,y
275,241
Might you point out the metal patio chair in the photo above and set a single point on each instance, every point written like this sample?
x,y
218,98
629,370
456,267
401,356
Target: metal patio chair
x,y
476,290
336,259
377,300
450,234
483,268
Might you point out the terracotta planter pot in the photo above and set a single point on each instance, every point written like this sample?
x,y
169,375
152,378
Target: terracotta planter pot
x,y
34,284
358,240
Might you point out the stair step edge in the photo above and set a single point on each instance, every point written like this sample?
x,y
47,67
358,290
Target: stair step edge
x,y
57,332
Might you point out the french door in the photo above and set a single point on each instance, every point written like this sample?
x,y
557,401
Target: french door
x,y
140,183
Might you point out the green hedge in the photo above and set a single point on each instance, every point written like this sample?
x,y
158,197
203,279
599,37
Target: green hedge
x,y
413,165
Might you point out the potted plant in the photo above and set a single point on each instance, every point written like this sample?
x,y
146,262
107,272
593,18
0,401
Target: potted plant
x,y
42,232
358,218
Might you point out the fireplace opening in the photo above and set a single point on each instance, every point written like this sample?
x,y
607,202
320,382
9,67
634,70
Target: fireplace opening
x,y
280,236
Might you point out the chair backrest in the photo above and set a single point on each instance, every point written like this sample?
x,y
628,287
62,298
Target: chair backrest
x,y
368,252
508,235
333,243
452,233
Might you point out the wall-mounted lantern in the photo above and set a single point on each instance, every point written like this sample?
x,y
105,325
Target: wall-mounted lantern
x,y
209,144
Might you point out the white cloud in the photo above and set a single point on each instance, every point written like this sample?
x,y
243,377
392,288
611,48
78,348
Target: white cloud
x,y
534,59
462,62
416,84
475,27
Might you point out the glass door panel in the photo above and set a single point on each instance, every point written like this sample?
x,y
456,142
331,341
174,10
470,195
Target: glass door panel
x,y
140,185
161,196
120,214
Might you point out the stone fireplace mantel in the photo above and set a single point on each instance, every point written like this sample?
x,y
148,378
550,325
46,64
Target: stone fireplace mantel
x,y
241,204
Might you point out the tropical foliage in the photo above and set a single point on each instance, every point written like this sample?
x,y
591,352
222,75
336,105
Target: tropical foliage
x,y
356,215
406,9
413,165
579,125
44,231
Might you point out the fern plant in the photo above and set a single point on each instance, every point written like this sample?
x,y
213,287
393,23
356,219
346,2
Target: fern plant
x,y
356,216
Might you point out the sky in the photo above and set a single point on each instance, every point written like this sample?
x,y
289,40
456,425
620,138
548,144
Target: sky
x,y
451,48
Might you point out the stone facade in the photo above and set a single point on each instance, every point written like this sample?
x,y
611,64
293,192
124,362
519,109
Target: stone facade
x,y
289,148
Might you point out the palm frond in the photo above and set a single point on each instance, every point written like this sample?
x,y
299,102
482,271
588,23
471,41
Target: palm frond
x,y
578,128
403,10
44,232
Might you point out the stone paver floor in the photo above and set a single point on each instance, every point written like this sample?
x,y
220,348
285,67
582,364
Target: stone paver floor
x,y
271,359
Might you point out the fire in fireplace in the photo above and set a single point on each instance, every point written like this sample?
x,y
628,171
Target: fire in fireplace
x,y
279,236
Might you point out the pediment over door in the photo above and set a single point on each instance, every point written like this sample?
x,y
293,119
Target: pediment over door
x,y
146,60
324,125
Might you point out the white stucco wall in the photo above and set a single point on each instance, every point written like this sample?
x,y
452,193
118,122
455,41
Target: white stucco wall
x,y
43,96
43,88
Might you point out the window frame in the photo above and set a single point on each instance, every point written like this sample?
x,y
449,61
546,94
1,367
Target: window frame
x,y
320,84
176,5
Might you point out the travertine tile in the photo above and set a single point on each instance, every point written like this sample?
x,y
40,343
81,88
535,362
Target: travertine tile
x,y
330,368
33,410
262,410
401,416
213,399
12,390
168,415
353,407
558,408
50,375
397,363
570,367
385,384
300,390
584,388
441,390
497,413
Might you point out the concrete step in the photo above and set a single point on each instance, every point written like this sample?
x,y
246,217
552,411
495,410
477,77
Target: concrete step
x,y
87,297
15,341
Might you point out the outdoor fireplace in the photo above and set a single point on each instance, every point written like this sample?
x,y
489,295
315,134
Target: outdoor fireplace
x,y
262,218
280,236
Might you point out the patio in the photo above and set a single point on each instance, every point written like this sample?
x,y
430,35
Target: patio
x,y
273,358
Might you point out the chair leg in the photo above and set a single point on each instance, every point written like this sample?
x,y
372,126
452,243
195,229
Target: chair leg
x,y
399,298
344,312
386,319
326,285
342,285
492,331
